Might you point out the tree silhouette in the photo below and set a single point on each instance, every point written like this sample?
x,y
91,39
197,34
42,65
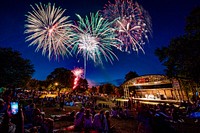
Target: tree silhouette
x,y
15,71
62,76
130,75
82,85
182,56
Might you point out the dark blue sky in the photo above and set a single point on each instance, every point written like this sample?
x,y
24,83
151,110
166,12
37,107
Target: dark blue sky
x,y
168,20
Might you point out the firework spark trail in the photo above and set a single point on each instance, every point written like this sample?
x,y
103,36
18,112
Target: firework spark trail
x,y
132,22
49,30
78,72
94,39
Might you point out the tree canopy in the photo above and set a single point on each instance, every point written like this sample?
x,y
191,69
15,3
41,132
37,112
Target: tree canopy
x,y
82,85
193,22
62,76
130,75
182,56
15,71
107,88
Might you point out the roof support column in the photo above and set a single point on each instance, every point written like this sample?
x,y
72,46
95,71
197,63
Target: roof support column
x,y
126,91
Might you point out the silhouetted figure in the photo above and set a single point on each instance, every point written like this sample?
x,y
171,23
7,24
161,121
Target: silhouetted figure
x,y
20,122
7,126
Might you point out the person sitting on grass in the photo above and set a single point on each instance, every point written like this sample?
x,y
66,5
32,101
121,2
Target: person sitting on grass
x,y
114,112
98,122
78,122
121,113
7,126
87,121
127,112
71,115
37,117
47,126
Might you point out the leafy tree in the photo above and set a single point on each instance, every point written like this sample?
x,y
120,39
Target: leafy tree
x,y
130,75
43,84
193,22
33,84
82,85
100,89
62,76
120,91
108,88
15,71
182,56
93,89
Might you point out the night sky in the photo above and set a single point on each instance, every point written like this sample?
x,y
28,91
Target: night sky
x,y
168,21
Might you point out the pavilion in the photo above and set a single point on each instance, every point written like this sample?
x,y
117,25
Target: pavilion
x,y
154,88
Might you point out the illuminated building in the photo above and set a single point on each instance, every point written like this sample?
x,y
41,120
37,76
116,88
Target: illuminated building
x,y
154,88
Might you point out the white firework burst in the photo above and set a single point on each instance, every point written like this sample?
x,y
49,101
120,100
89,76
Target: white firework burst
x,y
49,30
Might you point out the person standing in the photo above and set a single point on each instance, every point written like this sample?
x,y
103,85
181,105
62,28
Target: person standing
x,y
62,101
20,121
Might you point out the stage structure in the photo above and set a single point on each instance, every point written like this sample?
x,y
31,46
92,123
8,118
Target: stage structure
x,y
154,88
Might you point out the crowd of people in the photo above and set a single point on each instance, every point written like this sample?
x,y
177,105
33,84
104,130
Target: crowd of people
x,y
91,116
162,117
30,118
86,121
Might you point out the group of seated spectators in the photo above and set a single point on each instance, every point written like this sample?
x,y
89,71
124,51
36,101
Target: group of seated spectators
x,y
27,118
87,121
34,119
119,112
162,117
157,118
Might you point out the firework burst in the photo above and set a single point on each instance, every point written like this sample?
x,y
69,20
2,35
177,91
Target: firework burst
x,y
94,39
78,72
132,22
49,30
